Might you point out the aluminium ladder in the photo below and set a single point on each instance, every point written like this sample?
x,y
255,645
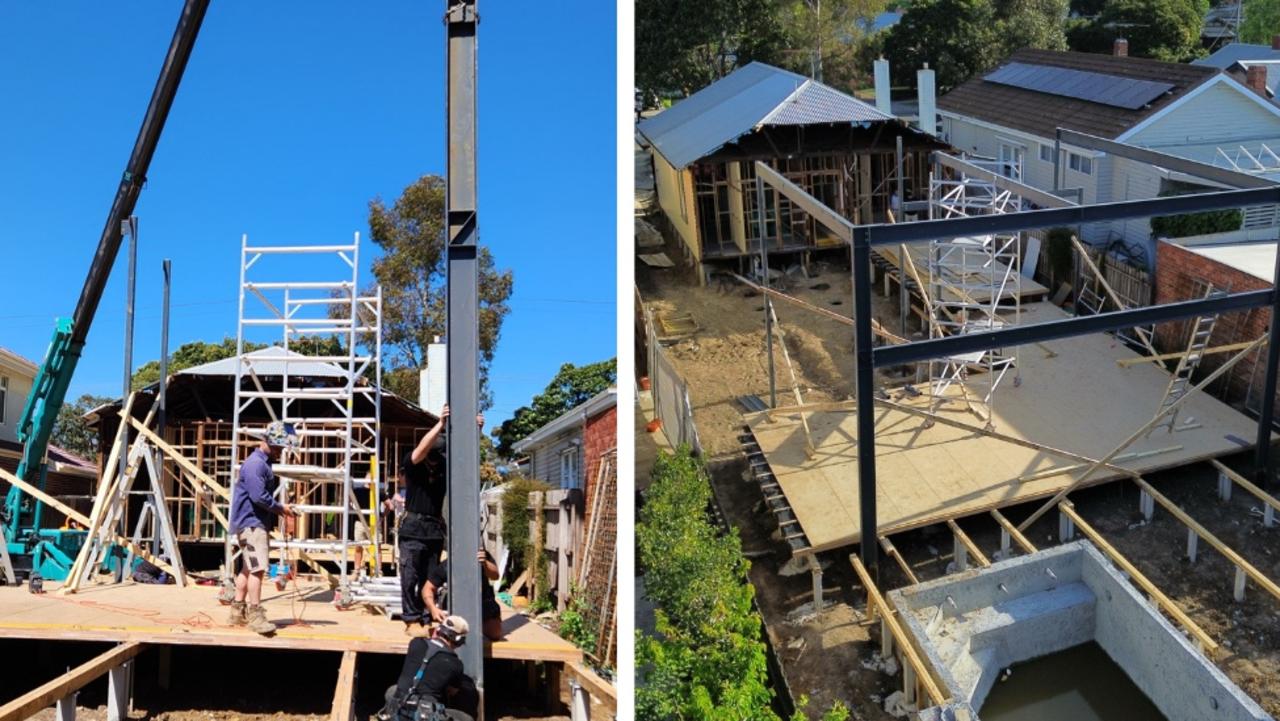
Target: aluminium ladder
x,y
1180,381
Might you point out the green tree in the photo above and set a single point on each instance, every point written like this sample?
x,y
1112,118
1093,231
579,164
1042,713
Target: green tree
x,y
957,38
412,272
1261,20
683,46
1166,30
1032,24
571,386
72,432
836,27
189,355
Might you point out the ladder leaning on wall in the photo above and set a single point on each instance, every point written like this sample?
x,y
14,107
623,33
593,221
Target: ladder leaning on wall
x,y
333,401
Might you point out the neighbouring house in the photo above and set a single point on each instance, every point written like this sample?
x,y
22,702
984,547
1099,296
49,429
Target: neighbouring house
x,y
566,452
1236,58
68,477
1237,262
1011,113
1221,23
839,149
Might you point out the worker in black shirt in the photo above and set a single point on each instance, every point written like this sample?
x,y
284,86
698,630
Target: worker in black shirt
x,y
432,684
422,529
433,594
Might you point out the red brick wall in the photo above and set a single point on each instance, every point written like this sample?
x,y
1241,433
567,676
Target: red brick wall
x,y
599,436
1177,273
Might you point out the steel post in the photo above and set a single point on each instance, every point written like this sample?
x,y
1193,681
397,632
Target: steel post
x,y
167,267
462,328
1262,463
864,372
768,303
129,226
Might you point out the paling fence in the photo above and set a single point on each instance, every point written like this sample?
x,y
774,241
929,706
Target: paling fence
x,y
670,392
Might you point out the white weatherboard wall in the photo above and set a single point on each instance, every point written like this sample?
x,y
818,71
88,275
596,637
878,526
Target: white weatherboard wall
x,y
20,379
1219,115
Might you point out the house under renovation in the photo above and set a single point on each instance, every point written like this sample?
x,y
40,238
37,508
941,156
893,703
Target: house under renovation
x,y
837,148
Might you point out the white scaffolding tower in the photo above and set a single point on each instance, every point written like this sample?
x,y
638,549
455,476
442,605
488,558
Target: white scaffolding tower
x,y
968,277
335,409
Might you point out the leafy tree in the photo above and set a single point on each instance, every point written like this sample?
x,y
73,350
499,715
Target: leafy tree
x,y
1166,30
1261,20
72,432
838,28
412,273
1032,24
684,46
570,388
957,38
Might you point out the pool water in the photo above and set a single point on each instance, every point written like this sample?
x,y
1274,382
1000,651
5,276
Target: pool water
x,y
1079,684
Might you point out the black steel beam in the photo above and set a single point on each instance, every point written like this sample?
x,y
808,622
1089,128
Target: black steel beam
x,y
1231,178
462,327
895,233
1068,327
864,385
1042,198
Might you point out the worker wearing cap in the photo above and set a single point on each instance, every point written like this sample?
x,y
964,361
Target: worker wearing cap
x,y
433,678
254,509
422,528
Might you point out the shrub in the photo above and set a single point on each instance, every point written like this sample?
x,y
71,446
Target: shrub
x,y
1210,221
518,536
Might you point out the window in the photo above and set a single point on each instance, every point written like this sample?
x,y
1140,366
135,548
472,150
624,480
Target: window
x,y
1080,163
1011,160
4,396
1046,153
569,468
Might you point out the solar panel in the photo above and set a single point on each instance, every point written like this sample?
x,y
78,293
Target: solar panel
x,y
1113,90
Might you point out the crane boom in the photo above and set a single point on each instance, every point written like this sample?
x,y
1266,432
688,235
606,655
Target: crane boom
x,y
49,389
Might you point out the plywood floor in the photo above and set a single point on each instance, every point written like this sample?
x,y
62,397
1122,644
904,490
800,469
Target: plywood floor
x,y
1078,401
1028,290
193,616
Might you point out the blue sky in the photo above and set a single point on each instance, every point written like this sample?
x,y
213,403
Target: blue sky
x,y
290,118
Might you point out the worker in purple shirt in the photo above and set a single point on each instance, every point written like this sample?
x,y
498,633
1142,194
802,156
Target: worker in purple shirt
x,y
253,514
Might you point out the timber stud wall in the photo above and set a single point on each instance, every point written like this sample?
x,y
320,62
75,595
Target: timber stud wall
x,y
1180,275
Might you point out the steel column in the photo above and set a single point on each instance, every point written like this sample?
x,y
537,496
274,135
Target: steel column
x,y
167,267
1264,472
864,372
764,281
128,226
462,328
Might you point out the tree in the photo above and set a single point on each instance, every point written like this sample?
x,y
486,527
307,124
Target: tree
x,y
838,28
412,273
1261,21
189,355
684,46
1032,24
957,38
571,387
1166,30
71,432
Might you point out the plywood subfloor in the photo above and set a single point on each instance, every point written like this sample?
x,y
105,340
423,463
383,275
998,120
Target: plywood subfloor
x,y
193,616
1078,401
1028,289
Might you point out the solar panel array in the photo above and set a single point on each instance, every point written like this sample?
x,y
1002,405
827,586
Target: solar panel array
x,y
1113,90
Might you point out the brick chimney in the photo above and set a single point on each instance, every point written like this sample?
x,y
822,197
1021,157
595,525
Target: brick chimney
x,y
1275,42
1256,79
1121,48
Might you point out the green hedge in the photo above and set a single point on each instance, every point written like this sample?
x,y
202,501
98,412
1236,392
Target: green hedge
x,y
707,661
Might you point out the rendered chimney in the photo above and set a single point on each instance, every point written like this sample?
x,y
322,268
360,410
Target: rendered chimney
x,y
1121,48
883,103
927,98
1256,79
1275,42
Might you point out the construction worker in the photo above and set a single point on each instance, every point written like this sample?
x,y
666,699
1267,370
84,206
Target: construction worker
x,y
422,528
254,509
437,585
432,685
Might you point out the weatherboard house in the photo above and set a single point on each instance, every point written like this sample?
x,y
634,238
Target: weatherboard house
x,y
1012,113
839,149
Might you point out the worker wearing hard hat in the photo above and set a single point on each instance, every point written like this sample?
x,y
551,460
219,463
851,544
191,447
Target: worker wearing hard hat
x,y
254,509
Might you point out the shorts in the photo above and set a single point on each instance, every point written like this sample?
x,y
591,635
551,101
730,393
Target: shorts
x,y
254,544
360,532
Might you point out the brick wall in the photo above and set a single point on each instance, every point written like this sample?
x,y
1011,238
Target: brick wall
x,y
1178,271
599,436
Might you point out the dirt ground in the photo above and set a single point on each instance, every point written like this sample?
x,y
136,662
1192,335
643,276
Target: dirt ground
x,y
829,656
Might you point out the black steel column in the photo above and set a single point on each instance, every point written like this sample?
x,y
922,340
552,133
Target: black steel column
x,y
864,370
1264,474
462,328
764,281
164,347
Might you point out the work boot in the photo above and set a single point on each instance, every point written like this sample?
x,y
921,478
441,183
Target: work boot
x,y
238,614
258,623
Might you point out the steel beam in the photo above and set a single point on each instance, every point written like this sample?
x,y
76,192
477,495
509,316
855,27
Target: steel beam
x,y
462,328
864,374
1231,178
895,233
1035,195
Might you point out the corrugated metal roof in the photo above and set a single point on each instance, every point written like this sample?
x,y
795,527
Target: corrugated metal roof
x,y
750,97
1233,53
263,366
